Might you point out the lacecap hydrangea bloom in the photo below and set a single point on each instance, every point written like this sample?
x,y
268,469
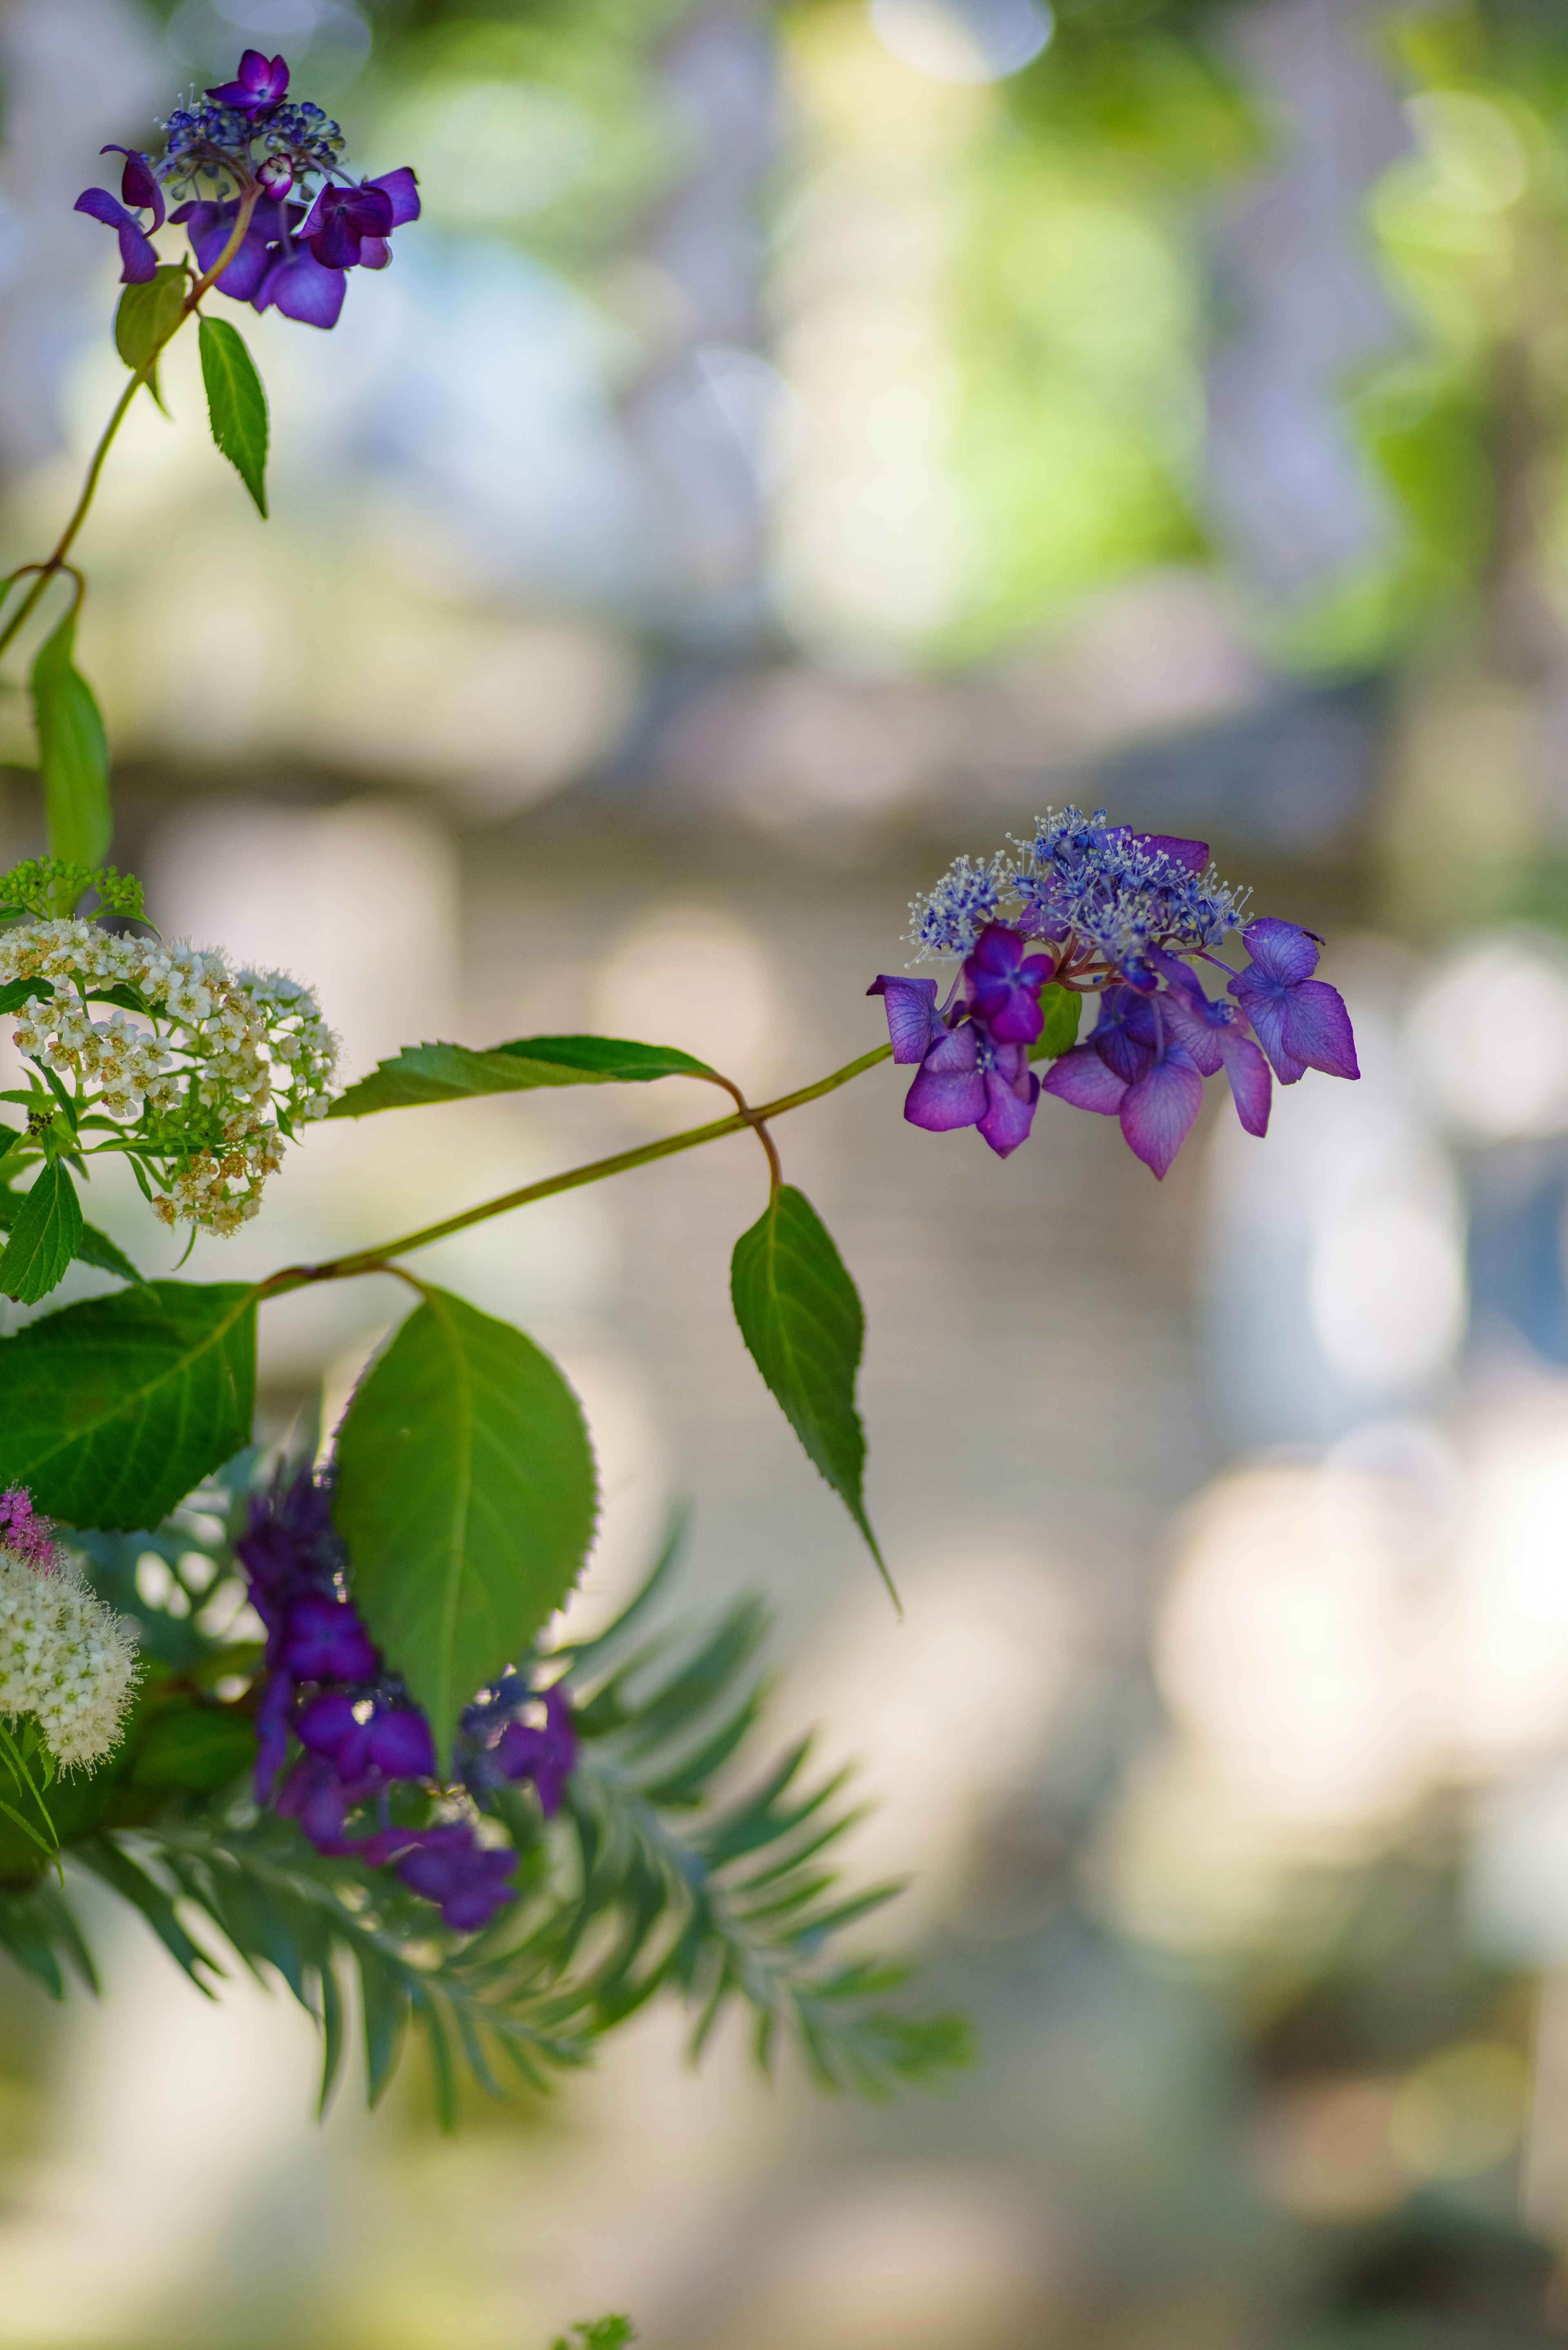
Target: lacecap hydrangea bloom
x,y
246,146
64,1658
195,1071
1135,918
363,1745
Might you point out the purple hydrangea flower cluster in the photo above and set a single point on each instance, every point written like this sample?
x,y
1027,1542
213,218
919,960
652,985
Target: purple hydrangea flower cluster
x,y
360,1733
1131,917
246,146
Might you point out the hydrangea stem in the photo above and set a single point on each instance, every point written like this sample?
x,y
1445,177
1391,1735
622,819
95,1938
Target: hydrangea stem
x,y
375,1260
56,561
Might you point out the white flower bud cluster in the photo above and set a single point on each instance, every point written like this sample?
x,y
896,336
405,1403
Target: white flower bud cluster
x,y
201,1080
66,1658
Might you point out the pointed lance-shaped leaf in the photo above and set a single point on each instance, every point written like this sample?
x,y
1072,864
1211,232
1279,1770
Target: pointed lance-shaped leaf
x,y
236,405
801,1316
466,1497
437,1073
73,753
112,1410
45,1234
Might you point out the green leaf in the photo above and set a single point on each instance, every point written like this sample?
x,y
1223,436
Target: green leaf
x,y
17,992
236,405
800,1315
111,1410
106,1859
438,1073
73,753
147,316
197,1747
46,1227
466,1496
1061,1006
1061,1030
93,1247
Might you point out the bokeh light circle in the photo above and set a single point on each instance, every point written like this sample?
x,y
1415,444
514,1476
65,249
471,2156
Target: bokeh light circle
x,y
963,40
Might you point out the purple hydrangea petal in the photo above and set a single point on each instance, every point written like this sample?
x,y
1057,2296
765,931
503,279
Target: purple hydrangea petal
x,y
1267,1010
402,187
1251,1088
138,255
1198,1036
326,1723
450,1866
1002,984
272,1733
326,1640
1317,1029
1124,1035
1280,951
375,253
399,1743
1010,1113
299,287
209,228
1081,1078
341,218
263,82
336,246
315,1796
1193,856
1157,1113
948,1090
910,1006
136,183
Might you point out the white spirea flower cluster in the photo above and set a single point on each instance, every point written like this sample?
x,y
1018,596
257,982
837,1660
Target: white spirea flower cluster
x,y
66,1658
203,1076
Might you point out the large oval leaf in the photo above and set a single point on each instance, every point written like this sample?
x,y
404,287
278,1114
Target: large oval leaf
x,y
801,1316
112,1410
466,1496
438,1073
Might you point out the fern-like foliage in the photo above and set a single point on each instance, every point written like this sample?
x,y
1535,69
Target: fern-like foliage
x,y
658,1877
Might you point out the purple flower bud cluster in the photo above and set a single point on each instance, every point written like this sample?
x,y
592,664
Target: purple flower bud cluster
x,y
361,1738
246,146
1128,915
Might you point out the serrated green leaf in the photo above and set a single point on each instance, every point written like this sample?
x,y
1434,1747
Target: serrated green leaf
x,y
466,1495
73,753
801,1317
147,316
93,1247
1061,1006
236,405
438,1073
111,1410
45,1229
